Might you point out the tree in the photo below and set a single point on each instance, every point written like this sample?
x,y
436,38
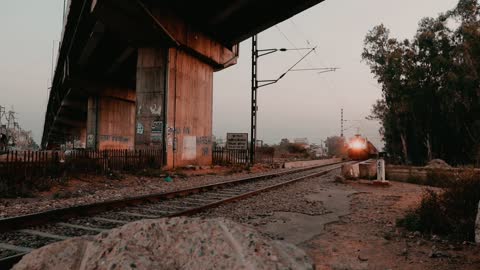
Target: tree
x,y
336,146
430,87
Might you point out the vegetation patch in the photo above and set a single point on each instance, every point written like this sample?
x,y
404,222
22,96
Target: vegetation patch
x,y
450,212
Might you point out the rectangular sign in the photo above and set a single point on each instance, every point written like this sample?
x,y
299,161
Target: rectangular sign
x,y
237,141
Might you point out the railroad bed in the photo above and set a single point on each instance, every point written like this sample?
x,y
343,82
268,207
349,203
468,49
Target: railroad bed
x,y
20,235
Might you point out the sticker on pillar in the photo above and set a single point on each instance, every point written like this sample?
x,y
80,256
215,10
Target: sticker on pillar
x,y
156,110
189,149
157,131
90,141
140,128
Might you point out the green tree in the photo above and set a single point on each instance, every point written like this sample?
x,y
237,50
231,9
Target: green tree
x,y
430,87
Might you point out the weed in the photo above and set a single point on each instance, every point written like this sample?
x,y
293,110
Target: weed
x,y
114,175
62,195
451,212
151,173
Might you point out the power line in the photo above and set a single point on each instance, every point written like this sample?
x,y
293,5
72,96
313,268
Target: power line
x,y
291,43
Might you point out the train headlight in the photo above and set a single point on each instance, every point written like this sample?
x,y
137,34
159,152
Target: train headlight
x,y
358,145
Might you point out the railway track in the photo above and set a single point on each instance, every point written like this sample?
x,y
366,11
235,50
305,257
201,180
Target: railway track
x,y
20,235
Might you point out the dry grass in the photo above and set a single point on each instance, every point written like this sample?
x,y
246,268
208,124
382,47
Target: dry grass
x,y
451,212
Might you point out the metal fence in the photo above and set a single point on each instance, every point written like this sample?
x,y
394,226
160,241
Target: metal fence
x,y
22,171
223,156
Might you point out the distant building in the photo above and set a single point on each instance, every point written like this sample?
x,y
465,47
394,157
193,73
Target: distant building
x,y
284,142
318,150
219,142
302,142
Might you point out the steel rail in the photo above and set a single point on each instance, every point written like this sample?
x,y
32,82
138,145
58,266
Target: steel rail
x,y
21,222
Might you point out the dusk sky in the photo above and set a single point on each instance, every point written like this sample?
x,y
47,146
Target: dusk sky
x,y
303,104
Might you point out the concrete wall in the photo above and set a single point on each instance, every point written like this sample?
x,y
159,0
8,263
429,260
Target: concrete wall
x,y
421,174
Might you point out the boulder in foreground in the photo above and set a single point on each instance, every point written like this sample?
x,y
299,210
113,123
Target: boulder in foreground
x,y
177,243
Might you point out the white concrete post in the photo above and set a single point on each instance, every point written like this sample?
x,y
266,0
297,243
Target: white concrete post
x,y
381,170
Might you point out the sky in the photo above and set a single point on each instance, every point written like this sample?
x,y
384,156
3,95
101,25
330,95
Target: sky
x,y
303,104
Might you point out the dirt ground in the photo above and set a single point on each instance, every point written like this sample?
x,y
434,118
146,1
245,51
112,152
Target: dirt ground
x,y
351,226
367,238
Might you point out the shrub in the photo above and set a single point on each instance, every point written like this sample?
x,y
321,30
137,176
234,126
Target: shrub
x,y
450,212
439,178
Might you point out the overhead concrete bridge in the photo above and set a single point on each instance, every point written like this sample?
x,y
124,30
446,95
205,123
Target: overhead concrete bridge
x,y
138,74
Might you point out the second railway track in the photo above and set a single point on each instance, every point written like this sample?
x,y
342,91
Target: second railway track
x,y
19,235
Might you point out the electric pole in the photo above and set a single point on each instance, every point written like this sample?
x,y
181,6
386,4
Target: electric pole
x,y
341,123
256,84
254,109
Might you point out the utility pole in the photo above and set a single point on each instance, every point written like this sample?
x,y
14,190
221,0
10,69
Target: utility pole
x,y
256,84
341,123
254,109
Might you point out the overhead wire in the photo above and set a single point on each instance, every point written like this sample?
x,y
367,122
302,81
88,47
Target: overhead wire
x,y
293,45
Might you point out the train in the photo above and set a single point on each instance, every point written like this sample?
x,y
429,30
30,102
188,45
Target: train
x,y
360,148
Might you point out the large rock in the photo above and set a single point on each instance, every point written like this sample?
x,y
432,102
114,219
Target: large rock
x,y
477,226
177,243
438,164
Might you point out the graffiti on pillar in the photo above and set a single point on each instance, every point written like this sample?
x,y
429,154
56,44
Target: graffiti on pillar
x,y
189,149
204,140
186,130
90,141
140,128
156,110
172,130
175,144
205,151
157,131
110,138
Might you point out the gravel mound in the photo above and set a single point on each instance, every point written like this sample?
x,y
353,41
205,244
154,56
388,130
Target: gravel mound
x,y
438,164
177,243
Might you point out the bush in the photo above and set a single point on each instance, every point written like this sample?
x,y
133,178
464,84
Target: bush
x,y
451,212
439,178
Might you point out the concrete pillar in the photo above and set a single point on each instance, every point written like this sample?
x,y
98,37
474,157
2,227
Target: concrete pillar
x,y
111,120
190,110
82,138
92,116
150,94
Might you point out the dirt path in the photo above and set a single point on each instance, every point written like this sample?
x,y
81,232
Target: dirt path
x,y
350,226
367,238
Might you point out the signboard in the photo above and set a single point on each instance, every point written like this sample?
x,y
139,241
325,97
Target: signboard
x,y
237,141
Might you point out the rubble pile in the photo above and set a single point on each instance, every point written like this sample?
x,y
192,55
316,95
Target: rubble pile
x,y
178,243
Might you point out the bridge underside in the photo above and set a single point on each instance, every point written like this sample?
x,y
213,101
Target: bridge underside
x,y
139,74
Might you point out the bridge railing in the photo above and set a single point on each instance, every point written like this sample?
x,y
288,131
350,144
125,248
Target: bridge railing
x,y
22,172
